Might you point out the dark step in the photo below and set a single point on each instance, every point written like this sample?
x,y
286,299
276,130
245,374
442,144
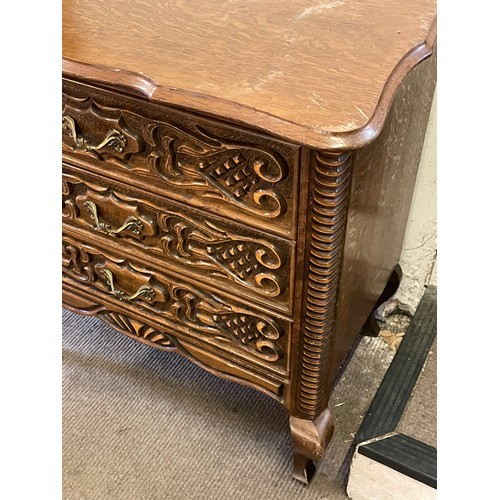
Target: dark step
x,y
403,453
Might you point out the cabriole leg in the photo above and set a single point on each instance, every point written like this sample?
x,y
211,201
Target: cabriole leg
x,y
310,439
303,468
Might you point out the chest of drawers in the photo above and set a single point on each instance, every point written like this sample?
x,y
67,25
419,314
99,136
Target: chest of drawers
x,y
237,178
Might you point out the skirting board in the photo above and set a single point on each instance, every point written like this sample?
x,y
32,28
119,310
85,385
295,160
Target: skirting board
x,y
380,449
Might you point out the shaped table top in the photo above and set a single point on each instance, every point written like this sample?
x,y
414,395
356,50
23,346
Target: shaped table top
x,y
321,73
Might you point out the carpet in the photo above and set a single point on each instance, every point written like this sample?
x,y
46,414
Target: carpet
x,y
139,424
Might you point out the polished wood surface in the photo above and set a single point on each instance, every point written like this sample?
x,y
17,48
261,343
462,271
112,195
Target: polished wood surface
x,y
178,304
259,266
321,73
205,163
382,187
237,178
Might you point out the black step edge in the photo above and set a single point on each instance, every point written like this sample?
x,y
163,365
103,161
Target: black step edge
x,y
406,455
403,453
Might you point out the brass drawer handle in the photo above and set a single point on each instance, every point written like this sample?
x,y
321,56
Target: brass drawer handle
x,y
131,223
114,138
144,291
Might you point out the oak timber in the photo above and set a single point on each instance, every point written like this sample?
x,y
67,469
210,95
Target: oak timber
x,y
321,73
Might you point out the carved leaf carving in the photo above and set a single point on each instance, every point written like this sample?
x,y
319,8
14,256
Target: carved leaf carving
x,y
204,314
253,262
245,175
246,260
137,329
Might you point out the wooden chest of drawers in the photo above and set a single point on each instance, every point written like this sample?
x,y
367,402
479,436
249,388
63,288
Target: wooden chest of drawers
x,y
234,222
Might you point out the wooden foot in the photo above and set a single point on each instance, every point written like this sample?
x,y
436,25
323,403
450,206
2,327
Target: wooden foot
x,y
310,439
371,328
303,468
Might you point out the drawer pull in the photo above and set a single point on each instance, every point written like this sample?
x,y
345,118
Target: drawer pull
x,y
144,291
131,223
114,138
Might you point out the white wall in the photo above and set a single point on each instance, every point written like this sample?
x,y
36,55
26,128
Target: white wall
x,y
418,258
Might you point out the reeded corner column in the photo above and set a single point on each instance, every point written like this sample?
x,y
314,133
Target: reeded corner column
x,y
311,421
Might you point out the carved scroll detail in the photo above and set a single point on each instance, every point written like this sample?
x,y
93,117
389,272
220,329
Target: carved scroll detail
x,y
236,174
250,261
331,181
158,338
247,261
77,261
69,210
202,313
137,329
239,173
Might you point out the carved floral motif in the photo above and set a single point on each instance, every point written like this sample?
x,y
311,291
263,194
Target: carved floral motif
x,y
241,174
248,261
200,312
137,329
252,262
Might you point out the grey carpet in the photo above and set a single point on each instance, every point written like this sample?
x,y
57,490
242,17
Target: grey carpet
x,y
139,424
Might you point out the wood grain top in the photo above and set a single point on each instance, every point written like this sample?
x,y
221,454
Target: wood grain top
x,y
321,73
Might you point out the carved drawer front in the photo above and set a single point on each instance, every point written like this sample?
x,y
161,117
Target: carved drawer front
x,y
228,256
184,308
221,169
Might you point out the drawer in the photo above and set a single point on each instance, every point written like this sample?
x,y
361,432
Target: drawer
x,y
252,265
182,307
223,170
